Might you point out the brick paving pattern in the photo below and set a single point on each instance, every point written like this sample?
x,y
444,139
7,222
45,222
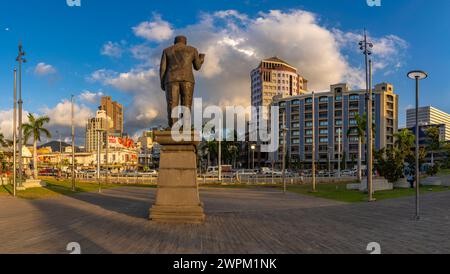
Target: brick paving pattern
x,y
260,221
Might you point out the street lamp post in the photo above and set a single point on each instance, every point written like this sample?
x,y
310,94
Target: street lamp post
x,y
60,153
15,136
366,46
253,148
370,137
285,130
417,75
73,145
314,187
20,61
99,143
220,154
339,151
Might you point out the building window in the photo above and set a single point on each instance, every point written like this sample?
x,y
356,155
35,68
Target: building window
x,y
323,132
308,100
323,123
296,102
354,104
308,124
338,98
353,122
296,133
295,141
354,97
309,140
308,116
338,123
323,99
308,132
323,140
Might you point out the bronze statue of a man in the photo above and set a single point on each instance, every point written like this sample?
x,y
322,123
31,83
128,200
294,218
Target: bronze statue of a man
x,y
177,77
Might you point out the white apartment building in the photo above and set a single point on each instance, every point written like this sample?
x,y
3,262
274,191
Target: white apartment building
x,y
429,116
96,127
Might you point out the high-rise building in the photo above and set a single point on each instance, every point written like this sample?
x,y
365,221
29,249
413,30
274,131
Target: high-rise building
x,y
115,111
335,113
430,116
93,127
273,77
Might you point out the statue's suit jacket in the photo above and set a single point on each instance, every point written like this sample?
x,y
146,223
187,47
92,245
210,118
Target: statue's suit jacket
x,y
177,62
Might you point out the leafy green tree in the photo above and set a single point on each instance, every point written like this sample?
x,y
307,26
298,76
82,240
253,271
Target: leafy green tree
x,y
34,129
433,141
390,162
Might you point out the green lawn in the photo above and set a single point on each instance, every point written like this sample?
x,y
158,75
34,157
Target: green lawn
x,y
56,188
336,192
444,172
339,192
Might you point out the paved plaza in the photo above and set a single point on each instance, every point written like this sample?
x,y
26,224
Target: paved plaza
x,y
261,221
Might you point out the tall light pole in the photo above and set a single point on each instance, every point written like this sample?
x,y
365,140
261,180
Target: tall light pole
x,y
314,187
417,75
370,138
366,46
99,143
285,129
20,60
73,143
107,151
60,152
339,151
15,136
220,154
253,148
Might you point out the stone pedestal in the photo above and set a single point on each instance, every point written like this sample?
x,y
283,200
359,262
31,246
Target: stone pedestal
x,y
32,183
177,198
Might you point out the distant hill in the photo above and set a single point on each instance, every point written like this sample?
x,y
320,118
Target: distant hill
x,y
55,145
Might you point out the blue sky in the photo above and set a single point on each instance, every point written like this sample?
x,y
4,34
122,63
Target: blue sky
x,y
68,43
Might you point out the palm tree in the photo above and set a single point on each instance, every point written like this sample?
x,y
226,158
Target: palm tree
x,y
34,128
360,131
433,141
404,141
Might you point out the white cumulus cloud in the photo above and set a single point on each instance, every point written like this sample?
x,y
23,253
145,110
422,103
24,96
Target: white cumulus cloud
x,y
112,49
234,44
61,114
91,97
43,69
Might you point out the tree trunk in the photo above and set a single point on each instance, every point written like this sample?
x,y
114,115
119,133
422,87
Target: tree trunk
x,y
359,159
432,158
35,163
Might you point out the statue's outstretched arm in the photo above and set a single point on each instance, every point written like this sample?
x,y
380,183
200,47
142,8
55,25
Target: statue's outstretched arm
x,y
199,59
